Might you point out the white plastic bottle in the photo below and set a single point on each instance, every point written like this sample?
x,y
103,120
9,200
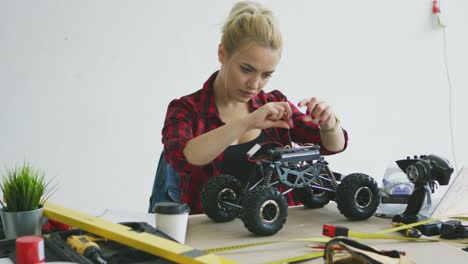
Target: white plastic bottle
x,y
394,182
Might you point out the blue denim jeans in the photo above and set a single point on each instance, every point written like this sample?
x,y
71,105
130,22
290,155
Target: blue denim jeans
x,y
166,185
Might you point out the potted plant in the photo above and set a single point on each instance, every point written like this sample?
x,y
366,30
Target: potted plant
x,y
24,192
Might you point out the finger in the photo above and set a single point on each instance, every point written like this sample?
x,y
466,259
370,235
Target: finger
x,y
303,102
318,111
311,107
325,115
289,113
326,123
288,109
307,102
288,119
273,115
281,111
271,110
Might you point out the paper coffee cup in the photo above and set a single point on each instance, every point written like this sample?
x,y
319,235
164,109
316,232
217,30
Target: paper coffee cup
x,y
171,218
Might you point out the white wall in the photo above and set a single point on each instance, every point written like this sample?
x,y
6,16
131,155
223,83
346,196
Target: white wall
x,y
84,85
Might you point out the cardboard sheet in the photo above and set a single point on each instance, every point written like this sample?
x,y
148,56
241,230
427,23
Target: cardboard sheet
x,y
203,233
455,200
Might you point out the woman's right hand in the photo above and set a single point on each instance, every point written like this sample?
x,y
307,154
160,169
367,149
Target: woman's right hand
x,y
273,114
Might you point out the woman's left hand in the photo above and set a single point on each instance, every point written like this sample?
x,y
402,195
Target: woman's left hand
x,y
319,112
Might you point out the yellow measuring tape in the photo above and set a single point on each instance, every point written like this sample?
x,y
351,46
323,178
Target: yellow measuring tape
x,y
235,247
377,235
351,234
462,218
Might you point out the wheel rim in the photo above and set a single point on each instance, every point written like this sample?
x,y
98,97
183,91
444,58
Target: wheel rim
x,y
363,197
318,192
269,211
413,173
226,194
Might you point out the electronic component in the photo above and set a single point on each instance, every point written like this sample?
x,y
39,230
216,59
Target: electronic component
x,y
424,172
294,154
453,229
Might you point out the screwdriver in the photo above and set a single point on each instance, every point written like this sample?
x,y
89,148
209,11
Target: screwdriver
x,y
86,247
337,247
409,232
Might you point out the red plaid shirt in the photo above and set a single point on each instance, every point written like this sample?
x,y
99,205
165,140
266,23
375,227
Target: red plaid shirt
x,y
196,114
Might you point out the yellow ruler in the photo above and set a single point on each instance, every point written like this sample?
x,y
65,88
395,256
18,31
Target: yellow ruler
x,y
143,241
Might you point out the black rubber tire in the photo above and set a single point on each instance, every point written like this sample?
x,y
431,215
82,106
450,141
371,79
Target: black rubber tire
x,y
358,196
220,187
265,211
311,198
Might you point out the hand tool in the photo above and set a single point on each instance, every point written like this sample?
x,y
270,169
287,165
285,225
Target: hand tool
x,y
86,246
409,232
336,247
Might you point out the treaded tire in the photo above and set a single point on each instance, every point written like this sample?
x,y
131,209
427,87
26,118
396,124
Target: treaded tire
x,y
222,187
310,199
265,210
357,196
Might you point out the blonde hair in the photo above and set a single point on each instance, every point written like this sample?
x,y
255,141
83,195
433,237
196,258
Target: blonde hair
x,y
250,22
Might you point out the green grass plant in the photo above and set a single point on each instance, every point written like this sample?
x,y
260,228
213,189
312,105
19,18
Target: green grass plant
x,y
24,189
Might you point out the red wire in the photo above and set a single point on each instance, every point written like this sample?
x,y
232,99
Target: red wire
x,y
270,142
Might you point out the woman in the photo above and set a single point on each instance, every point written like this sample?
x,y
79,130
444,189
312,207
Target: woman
x,y
209,132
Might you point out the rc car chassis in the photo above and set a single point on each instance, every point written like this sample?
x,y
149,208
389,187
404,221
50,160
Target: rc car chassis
x,y
261,203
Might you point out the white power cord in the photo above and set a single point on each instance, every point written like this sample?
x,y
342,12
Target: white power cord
x,y
449,81
447,73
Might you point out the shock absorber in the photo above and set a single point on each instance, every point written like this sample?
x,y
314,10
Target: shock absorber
x,y
268,175
331,176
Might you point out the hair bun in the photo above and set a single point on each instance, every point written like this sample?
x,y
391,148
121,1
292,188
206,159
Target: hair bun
x,y
250,22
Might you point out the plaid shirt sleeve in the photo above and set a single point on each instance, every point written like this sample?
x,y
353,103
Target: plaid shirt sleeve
x,y
177,131
179,125
304,132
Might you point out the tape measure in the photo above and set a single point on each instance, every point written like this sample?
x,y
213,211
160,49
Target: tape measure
x,y
462,218
351,234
